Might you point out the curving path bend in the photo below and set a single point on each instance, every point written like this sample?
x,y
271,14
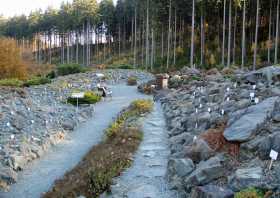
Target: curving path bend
x,y
39,176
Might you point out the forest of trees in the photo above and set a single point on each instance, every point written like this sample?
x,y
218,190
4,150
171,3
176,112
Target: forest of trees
x,y
152,33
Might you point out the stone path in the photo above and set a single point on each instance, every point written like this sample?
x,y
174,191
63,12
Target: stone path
x,y
146,178
41,174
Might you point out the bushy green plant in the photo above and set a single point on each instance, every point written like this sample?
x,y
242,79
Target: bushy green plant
x,y
125,67
12,82
89,98
250,193
37,81
51,75
66,69
131,81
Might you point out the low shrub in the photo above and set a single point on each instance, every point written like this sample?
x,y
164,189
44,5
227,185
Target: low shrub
x,y
11,63
142,106
12,82
51,75
36,81
89,98
132,81
66,69
126,67
250,193
136,108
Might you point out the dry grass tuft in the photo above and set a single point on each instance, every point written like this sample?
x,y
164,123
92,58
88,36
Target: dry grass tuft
x,y
216,141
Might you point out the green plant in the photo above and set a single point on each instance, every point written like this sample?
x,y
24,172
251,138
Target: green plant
x,y
125,66
250,193
51,75
12,82
66,69
131,81
89,98
36,81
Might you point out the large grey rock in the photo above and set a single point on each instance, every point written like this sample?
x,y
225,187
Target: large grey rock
x,y
205,172
7,175
244,126
267,74
199,151
180,167
211,191
246,177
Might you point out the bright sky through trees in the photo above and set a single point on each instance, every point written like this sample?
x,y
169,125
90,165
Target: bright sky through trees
x,y
10,8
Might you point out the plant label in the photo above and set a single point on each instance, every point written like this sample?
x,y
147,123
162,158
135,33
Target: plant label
x,y
196,110
254,87
228,89
194,138
78,95
273,155
257,100
228,99
235,85
223,112
209,110
200,106
252,95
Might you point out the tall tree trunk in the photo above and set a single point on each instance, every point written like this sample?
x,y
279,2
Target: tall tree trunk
x,y
77,48
192,38
147,36
202,42
243,35
276,35
162,43
175,38
229,36
234,36
224,34
169,36
119,40
135,36
256,35
269,34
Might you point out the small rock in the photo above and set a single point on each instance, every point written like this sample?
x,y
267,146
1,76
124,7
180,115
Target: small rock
x,y
205,172
246,177
199,151
211,191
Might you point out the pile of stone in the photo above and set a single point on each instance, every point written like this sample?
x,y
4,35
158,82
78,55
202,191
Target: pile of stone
x,y
248,106
32,119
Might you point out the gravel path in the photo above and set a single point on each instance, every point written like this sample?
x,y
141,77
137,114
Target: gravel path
x,y
146,178
41,174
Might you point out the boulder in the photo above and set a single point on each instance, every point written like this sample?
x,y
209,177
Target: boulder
x,y
211,191
181,167
68,125
199,151
205,172
246,177
242,127
7,175
267,74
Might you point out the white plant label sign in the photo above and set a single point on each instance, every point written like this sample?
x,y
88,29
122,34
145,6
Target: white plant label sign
x,y
273,155
252,95
78,95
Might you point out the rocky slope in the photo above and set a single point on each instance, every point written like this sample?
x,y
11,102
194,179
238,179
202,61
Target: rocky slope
x,y
33,119
222,128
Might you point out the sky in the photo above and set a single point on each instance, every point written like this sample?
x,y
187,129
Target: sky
x,y
10,8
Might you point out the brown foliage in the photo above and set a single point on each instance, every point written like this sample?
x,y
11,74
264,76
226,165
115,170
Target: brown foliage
x,y
11,63
216,141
